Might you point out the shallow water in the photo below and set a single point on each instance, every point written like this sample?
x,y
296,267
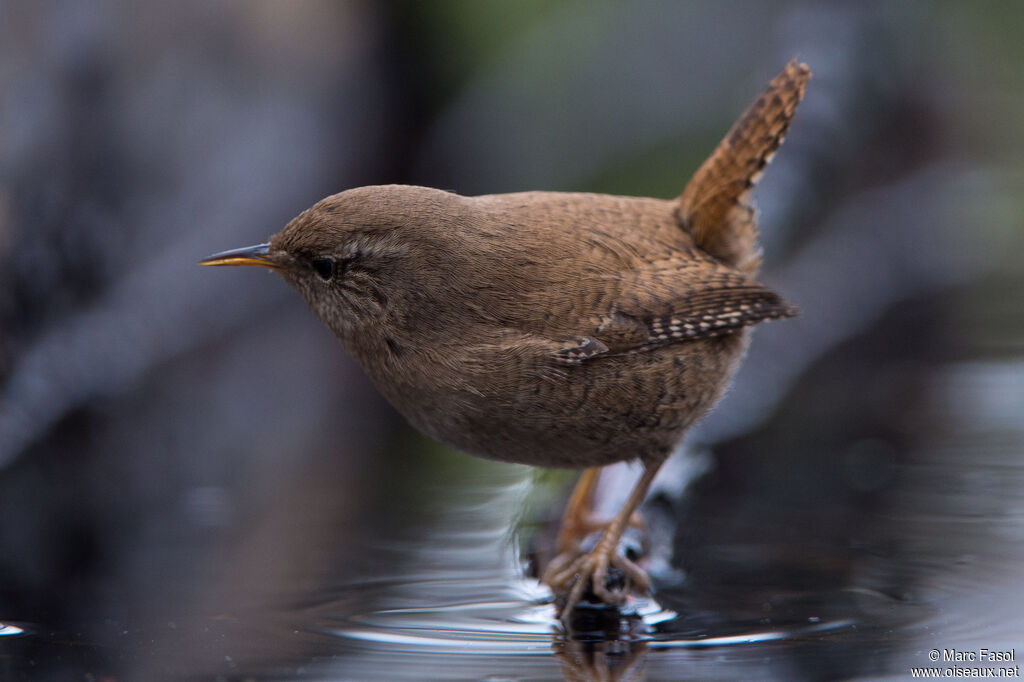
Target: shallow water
x,y
858,587
518,639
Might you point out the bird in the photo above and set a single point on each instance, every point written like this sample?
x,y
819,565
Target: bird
x,y
553,329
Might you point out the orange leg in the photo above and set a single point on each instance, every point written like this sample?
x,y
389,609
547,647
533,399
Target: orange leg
x,y
572,574
577,521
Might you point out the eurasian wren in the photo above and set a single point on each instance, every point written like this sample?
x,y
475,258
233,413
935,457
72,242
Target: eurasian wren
x,y
546,328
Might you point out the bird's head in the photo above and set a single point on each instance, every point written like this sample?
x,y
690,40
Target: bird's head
x,y
372,262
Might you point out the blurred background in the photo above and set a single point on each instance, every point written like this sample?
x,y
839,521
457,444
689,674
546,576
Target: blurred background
x,y
197,483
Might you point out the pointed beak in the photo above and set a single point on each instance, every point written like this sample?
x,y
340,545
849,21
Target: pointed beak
x,y
249,255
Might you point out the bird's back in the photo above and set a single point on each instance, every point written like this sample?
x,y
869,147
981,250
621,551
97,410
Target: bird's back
x,y
567,355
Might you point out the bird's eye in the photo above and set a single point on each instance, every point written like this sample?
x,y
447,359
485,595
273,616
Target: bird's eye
x,y
324,266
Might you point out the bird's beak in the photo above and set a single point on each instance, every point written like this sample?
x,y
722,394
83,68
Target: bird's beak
x,y
249,255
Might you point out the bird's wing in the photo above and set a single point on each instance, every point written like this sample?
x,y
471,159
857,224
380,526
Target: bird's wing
x,y
674,301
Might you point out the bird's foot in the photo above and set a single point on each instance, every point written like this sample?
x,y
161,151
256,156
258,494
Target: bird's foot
x,y
609,576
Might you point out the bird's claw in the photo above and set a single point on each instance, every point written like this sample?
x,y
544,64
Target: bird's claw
x,y
573,574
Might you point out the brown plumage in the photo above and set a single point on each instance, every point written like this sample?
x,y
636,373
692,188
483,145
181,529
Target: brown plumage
x,y
552,329
714,204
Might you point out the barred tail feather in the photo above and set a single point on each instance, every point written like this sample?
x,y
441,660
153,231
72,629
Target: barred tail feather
x,y
715,206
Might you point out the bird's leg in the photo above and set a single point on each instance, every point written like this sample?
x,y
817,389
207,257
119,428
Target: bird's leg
x,y
592,567
578,519
577,523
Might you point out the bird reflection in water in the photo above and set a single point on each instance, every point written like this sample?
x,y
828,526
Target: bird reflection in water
x,y
606,657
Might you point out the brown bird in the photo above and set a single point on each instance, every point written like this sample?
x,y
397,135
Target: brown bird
x,y
545,328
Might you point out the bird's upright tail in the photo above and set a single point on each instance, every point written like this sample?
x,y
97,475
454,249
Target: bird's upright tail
x,y
714,206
